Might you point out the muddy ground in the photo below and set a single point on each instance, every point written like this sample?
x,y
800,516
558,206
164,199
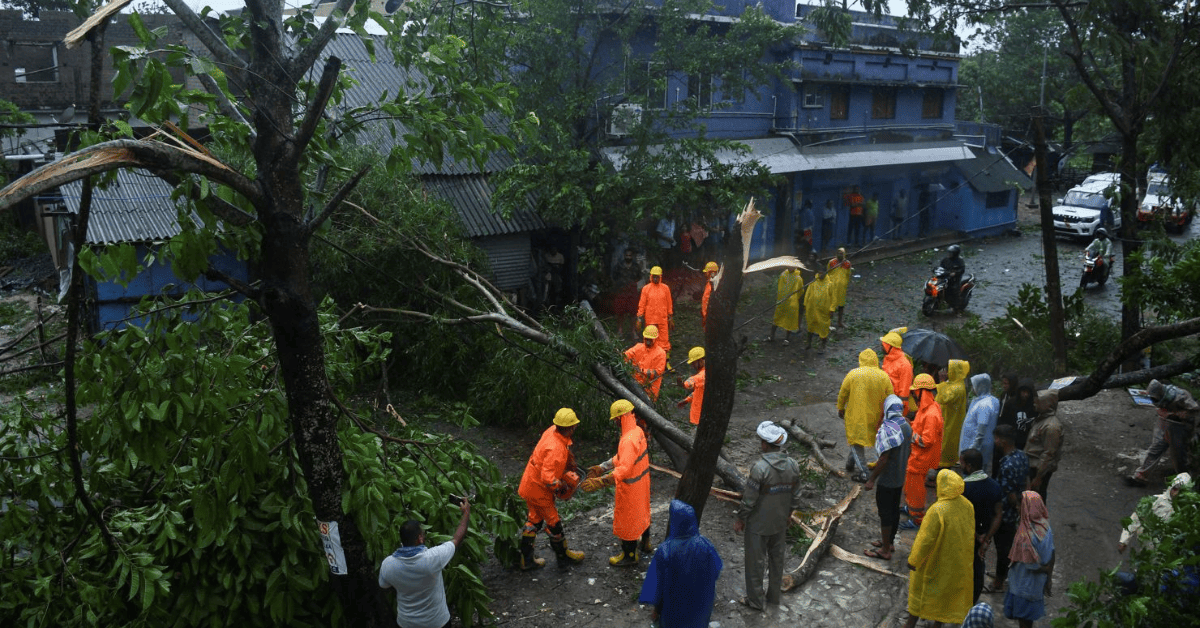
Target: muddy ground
x,y
1105,435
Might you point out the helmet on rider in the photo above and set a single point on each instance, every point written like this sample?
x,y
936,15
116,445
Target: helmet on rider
x,y
1102,233
954,250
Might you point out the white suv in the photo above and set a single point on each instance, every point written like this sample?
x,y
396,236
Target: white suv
x,y
1081,211
1176,216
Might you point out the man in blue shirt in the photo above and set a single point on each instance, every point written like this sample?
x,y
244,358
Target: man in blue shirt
x,y
415,572
1014,476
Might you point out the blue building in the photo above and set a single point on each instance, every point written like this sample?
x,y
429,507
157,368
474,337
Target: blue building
x,y
876,114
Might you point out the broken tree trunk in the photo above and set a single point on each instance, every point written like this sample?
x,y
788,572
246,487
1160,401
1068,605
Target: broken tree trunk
x,y
798,433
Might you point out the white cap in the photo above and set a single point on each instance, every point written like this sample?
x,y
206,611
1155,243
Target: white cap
x,y
772,433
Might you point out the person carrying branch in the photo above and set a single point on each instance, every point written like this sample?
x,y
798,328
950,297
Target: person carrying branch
x,y
649,361
629,471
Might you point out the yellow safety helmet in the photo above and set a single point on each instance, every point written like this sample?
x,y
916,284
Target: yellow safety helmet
x,y
565,417
696,353
651,331
924,381
620,408
711,266
657,270
893,339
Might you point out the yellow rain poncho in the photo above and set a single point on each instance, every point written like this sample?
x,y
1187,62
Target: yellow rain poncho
x,y
818,303
839,279
952,397
787,300
861,397
939,587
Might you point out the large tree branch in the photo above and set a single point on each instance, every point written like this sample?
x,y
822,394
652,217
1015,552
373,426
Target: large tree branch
x,y
338,198
316,107
308,55
112,155
1092,384
227,107
212,41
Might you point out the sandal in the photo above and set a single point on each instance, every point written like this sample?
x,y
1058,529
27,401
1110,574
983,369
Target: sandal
x,y
877,554
876,543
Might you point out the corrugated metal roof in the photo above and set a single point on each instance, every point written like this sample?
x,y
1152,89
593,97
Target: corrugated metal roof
x,y
471,195
136,208
782,155
988,172
381,77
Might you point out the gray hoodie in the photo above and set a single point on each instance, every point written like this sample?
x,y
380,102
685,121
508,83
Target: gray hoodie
x,y
772,492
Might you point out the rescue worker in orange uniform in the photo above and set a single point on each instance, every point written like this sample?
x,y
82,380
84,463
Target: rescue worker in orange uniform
x,y
710,270
695,383
898,367
629,470
550,474
656,307
648,360
926,448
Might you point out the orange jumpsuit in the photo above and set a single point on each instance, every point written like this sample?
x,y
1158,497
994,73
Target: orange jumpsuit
x,y
695,384
645,359
631,470
704,303
900,370
544,471
656,307
925,454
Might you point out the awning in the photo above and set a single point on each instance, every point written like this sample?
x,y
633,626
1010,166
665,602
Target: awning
x,y
992,173
780,155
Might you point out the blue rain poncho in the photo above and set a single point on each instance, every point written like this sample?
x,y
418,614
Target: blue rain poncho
x,y
682,579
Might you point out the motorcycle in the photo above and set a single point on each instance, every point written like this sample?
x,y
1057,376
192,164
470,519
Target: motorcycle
x,y
1095,269
937,297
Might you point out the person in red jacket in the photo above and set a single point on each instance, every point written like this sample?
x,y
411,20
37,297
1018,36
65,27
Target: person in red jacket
x,y
629,471
656,307
648,360
550,474
926,448
710,270
695,383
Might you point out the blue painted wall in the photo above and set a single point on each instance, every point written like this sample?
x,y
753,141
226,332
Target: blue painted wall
x,y
114,302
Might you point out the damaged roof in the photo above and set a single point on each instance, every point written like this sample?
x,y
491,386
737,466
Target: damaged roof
x,y
137,207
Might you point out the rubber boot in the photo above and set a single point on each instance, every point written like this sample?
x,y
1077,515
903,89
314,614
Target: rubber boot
x,y
528,560
566,557
645,548
627,557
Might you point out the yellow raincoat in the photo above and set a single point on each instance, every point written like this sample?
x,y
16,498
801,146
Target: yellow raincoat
x,y
862,394
939,587
787,299
952,397
818,303
839,280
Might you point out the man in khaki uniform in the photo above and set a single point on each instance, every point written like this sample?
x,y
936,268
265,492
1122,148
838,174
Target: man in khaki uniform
x,y
772,492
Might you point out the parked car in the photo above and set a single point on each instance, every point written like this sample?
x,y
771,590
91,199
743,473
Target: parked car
x,y
1088,206
1159,204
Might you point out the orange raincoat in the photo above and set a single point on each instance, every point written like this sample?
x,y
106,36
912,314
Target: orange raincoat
x,y
695,384
926,451
899,370
644,359
631,470
704,303
657,307
545,468
952,397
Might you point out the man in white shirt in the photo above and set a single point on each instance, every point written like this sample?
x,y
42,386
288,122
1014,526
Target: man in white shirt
x,y
415,572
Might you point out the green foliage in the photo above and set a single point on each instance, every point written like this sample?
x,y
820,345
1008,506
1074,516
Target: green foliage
x,y
16,242
12,114
187,452
1020,340
1169,283
1166,569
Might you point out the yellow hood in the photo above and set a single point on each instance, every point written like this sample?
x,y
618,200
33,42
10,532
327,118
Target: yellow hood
x,y
868,358
892,338
949,484
958,370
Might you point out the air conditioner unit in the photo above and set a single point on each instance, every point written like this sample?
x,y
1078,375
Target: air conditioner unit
x,y
624,118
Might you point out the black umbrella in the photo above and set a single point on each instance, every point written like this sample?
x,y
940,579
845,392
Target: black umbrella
x,y
926,345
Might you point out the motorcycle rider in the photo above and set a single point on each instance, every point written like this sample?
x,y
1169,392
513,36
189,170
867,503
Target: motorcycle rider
x,y
955,268
1101,246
